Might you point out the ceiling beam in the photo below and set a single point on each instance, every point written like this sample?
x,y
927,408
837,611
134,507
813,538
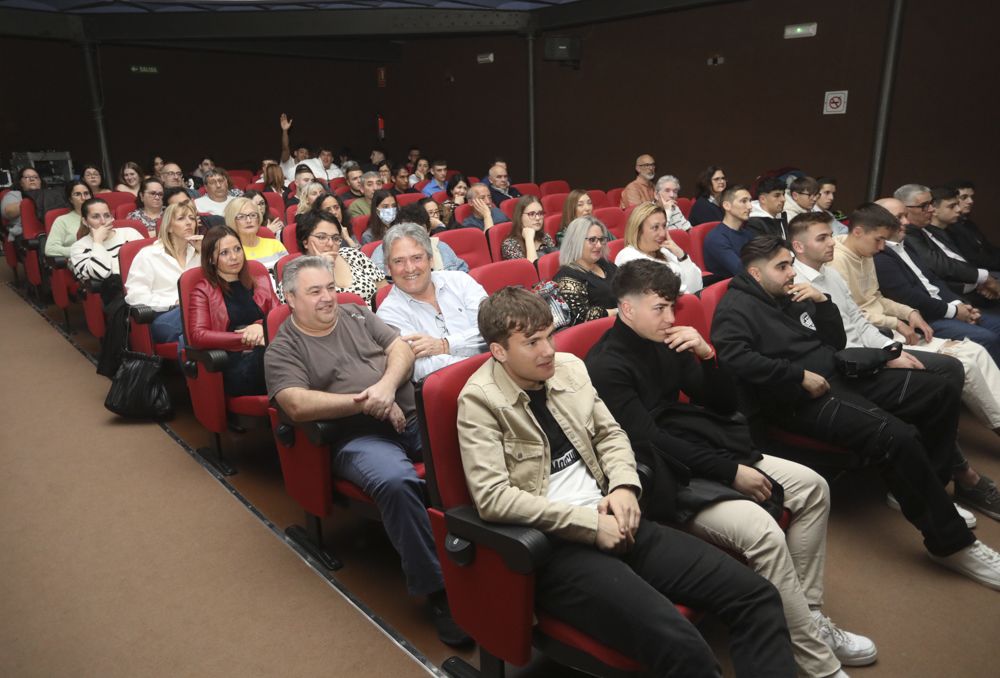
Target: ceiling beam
x,y
44,25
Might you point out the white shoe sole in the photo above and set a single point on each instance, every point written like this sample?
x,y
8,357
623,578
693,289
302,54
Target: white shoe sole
x,y
970,520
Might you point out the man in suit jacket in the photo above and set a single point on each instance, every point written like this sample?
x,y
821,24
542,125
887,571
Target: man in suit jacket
x,y
972,243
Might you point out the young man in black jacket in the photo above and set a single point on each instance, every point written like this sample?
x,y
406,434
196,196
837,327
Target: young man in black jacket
x,y
639,368
779,339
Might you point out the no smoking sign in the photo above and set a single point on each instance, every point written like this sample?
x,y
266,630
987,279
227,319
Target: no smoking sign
x,y
835,103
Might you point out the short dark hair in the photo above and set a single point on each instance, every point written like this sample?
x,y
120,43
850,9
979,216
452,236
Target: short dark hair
x,y
871,216
302,169
306,223
396,169
510,310
806,185
823,181
645,276
939,193
768,185
730,193
168,193
959,184
801,223
439,163
762,247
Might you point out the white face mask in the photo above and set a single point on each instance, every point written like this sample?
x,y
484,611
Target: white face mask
x,y
387,214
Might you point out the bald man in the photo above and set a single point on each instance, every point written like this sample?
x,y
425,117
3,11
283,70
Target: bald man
x,y
641,188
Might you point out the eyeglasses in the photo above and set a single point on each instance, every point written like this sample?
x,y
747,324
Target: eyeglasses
x,y
434,213
172,174
326,237
596,240
155,194
253,216
30,177
647,164
921,206
536,214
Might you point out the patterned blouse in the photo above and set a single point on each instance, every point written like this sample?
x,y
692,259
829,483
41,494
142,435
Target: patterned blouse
x,y
511,247
365,276
589,296
147,221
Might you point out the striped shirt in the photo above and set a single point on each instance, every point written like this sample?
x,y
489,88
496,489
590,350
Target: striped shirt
x,y
98,261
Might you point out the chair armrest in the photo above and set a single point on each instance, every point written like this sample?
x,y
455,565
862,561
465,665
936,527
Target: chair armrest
x,y
523,549
142,314
33,243
214,360
57,262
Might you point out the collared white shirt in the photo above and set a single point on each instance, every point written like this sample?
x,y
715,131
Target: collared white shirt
x,y
152,279
206,205
968,287
458,296
932,289
687,270
860,332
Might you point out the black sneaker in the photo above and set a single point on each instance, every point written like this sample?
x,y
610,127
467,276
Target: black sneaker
x,y
448,631
983,496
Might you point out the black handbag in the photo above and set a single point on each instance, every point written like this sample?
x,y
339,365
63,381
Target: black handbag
x,y
137,390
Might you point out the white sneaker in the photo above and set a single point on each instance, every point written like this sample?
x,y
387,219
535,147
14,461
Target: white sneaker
x,y
977,562
840,674
970,520
850,648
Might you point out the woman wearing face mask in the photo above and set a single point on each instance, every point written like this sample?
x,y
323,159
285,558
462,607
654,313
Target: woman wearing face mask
x,y
65,228
318,234
152,279
227,311
382,217
129,178
647,237
149,205
95,255
91,175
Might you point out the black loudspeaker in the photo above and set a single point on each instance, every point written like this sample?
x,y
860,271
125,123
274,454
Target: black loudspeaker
x,y
562,48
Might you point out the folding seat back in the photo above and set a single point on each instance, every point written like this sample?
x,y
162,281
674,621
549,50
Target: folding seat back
x,y
528,189
404,199
613,218
507,206
682,238
710,298
502,274
62,284
615,197
439,197
134,224
553,203
255,186
33,238
614,248
380,296
369,248
244,176
290,213
548,266
469,244
275,205
52,215
556,186
579,339
552,224
359,225
495,237
238,182
337,183
116,198
140,316
462,212
279,265
697,250
599,198
289,240
123,210
685,205
420,184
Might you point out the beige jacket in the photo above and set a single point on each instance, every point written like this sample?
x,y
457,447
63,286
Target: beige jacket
x,y
859,272
507,457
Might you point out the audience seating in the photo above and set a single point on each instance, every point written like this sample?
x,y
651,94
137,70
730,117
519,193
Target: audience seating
x,y
614,248
420,184
552,224
93,306
304,453
548,266
290,213
439,197
469,244
462,212
685,205
507,207
275,205
380,296
33,243
697,235
203,366
489,568
613,218
615,197
627,212
473,180
682,238
62,284
279,265
244,176
556,186
579,339
288,238
501,274
140,316
123,210
368,248
599,198
136,224
404,199
337,183
116,198
239,183
528,189
495,237
359,225
553,203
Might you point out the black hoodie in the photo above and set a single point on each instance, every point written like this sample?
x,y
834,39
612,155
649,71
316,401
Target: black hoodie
x,y
768,343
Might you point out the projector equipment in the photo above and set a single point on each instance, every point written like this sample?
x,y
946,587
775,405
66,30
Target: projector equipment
x,y
5,179
55,167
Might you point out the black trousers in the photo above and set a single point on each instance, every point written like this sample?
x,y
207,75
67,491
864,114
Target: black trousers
x,y
627,602
907,421
954,372
244,373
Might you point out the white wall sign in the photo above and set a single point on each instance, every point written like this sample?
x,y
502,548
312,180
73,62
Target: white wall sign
x,y
835,103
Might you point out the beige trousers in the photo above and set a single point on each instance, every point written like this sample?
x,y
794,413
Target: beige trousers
x,y
793,562
981,393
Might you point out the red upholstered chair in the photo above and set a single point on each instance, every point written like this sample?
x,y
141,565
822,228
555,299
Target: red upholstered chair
x,y
288,239
279,265
33,243
140,338
501,274
116,198
245,176
472,180
304,452
599,198
290,212
579,339
548,266
404,199
528,189
93,307
370,247
469,244
615,197
553,202
614,248
359,224
685,205
123,210
9,249
697,251
255,186
552,224
462,212
265,232
380,296
613,218
507,206
420,184
238,182
489,568
275,205
439,197
682,238
337,183
203,365
556,186
495,237
62,284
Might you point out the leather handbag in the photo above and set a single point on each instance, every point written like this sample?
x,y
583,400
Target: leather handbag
x,y
137,390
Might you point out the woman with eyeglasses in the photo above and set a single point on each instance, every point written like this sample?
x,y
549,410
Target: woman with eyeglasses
x,y
91,175
129,178
243,217
334,204
578,204
152,278
708,207
647,237
528,239
65,228
433,211
148,205
260,202
383,215
318,234
227,311
94,256
585,275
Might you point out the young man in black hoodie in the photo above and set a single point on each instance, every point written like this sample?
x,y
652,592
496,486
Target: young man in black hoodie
x,y
779,339
640,367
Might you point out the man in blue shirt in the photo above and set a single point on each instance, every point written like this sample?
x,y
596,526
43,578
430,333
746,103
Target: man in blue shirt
x,y
485,214
724,242
439,170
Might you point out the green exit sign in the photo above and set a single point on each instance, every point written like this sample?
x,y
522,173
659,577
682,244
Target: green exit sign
x,y
793,31
144,70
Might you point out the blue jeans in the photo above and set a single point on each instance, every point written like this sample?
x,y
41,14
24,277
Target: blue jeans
x,y
985,333
383,468
167,326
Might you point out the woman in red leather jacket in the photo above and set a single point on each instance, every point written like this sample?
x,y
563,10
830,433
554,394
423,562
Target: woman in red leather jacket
x,y
228,308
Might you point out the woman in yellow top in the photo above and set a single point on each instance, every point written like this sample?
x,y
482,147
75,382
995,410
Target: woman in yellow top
x,y
243,217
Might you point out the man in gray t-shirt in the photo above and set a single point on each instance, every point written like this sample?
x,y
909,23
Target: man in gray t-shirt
x,y
341,362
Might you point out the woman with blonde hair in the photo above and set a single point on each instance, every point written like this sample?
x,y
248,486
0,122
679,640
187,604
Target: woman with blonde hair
x,y
152,279
243,217
308,195
647,237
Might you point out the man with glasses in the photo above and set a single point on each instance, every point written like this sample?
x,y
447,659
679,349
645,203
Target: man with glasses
x,y
500,188
930,214
668,187
217,194
801,197
173,177
640,189
28,179
485,214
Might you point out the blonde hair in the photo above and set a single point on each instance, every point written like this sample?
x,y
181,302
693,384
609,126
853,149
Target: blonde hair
x,y
303,206
634,225
169,214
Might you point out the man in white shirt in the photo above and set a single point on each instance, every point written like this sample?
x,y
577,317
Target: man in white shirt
x,y
435,312
290,159
216,194
323,166
668,187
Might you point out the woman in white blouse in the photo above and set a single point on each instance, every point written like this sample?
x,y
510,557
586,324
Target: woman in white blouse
x,y
647,237
152,279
